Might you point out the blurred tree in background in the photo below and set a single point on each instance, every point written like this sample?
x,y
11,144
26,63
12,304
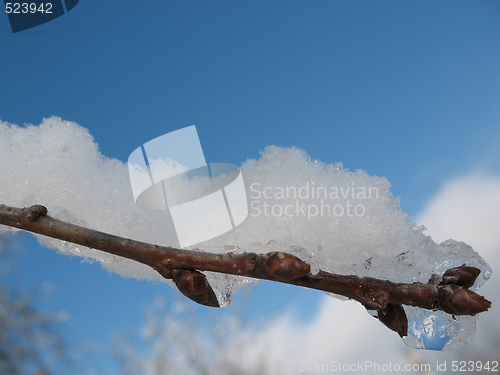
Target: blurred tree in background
x,y
29,342
29,339
175,341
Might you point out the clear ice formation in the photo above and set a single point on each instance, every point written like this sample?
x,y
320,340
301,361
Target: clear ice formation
x,y
341,221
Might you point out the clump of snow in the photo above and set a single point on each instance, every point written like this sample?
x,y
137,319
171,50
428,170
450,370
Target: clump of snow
x,y
337,220
58,164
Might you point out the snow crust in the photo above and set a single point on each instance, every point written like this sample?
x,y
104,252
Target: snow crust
x,y
341,221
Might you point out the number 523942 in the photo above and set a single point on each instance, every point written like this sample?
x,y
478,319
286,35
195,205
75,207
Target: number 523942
x,y
24,8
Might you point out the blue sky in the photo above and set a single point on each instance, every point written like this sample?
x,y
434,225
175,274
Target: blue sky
x,y
407,90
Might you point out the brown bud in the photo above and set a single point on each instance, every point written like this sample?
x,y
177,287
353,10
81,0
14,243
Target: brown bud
x,y
463,276
458,300
284,266
194,285
394,317
35,211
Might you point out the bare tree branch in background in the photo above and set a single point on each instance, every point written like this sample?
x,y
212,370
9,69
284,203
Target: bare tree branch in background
x,y
28,339
173,341
449,293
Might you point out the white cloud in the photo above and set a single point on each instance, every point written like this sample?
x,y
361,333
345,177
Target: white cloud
x,y
466,208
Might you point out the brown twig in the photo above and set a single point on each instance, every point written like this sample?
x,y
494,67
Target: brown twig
x,y
450,295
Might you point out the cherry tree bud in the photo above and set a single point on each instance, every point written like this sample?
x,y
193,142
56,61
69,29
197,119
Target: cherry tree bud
x,y
194,285
463,276
394,317
458,300
284,266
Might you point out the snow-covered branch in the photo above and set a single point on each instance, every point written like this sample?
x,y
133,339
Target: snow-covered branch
x,y
449,293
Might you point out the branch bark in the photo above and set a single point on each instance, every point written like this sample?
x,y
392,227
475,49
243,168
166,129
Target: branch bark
x,y
449,293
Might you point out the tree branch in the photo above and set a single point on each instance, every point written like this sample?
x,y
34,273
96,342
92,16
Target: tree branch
x,y
449,293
